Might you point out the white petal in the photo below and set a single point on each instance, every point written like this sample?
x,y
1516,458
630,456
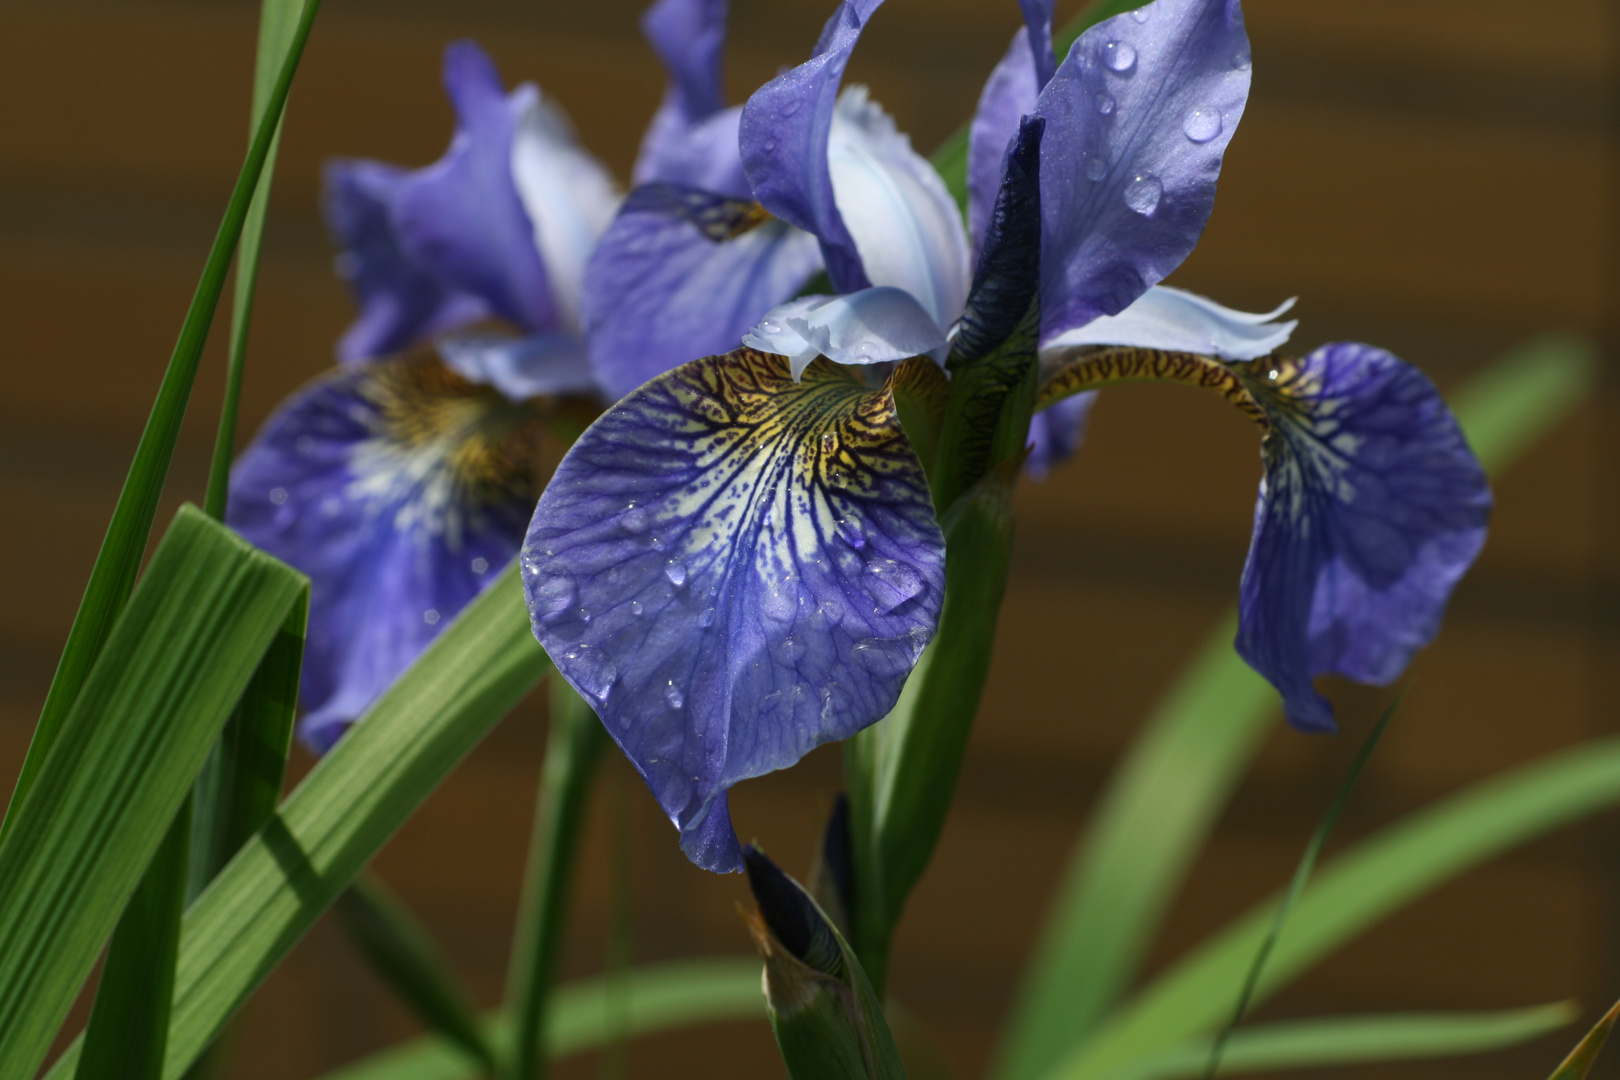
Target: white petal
x,y
569,196
905,225
1180,321
872,326
520,368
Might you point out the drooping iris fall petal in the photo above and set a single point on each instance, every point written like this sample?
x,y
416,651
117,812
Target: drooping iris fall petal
x,y
734,567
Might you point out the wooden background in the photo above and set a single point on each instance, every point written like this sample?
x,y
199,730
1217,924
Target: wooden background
x,y
1435,176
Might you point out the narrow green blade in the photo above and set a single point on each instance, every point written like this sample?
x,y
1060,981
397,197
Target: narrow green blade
x,y
1167,793
175,662
584,1014
1353,892
1355,1040
1581,1059
402,952
114,572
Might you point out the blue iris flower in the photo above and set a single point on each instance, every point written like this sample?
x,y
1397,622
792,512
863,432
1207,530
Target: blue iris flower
x,y
740,559
402,482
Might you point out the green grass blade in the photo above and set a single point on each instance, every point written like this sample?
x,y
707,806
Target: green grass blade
x,y
1162,802
584,1014
1580,1060
404,954
114,572
1355,1040
278,25
1353,892
1302,874
175,662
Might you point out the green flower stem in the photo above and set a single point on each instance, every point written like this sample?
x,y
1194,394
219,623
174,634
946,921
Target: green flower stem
x,y
573,747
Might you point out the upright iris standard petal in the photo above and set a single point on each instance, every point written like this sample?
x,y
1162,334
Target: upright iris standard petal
x,y
463,216
785,130
692,139
906,227
681,274
1371,508
400,300
1009,93
1139,115
401,490
734,568
568,196
1178,321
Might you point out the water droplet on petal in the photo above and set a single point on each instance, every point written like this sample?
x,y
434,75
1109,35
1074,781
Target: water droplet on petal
x,y
828,613
770,146
1096,167
1141,14
431,617
780,602
1119,56
1104,102
850,529
553,596
676,572
1143,192
706,619
791,650
634,520
1241,61
636,608
592,670
673,695
770,326
788,107
1202,124
890,583
881,656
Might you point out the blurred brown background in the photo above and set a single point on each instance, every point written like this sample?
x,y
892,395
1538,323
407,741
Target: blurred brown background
x,y
1436,176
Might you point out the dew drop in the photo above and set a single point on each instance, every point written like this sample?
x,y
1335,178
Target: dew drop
x,y
1103,102
1241,60
553,596
880,657
1143,192
829,613
770,326
770,146
278,495
634,519
592,670
1119,56
706,619
791,650
788,107
780,602
890,583
1202,124
1141,14
673,695
850,529
480,565
431,617
1096,167
676,572
636,608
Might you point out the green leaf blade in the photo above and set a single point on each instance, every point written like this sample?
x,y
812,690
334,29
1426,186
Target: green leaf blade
x,y
175,662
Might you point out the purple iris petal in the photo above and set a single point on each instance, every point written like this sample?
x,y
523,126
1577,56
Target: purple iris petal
x,y
682,274
785,129
1177,321
1371,509
520,368
873,326
1140,113
1009,93
401,490
463,215
1055,433
1038,22
735,568
400,300
692,139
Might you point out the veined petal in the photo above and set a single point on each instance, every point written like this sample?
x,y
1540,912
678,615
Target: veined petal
x,y
400,300
1038,22
904,222
874,326
568,195
682,274
1009,93
784,134
735,568
539,365
463,215
1178,321
692,139
401,490
1139,115
1371,508
1055,433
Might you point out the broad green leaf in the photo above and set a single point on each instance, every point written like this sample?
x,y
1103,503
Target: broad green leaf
x,y
114,572
583,1014
402,952
1354,1040
1355,890
574,745
172,667
1168,791
1580,1060
344,811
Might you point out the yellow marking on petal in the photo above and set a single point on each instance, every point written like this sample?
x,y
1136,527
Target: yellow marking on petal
x,y
1110,365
